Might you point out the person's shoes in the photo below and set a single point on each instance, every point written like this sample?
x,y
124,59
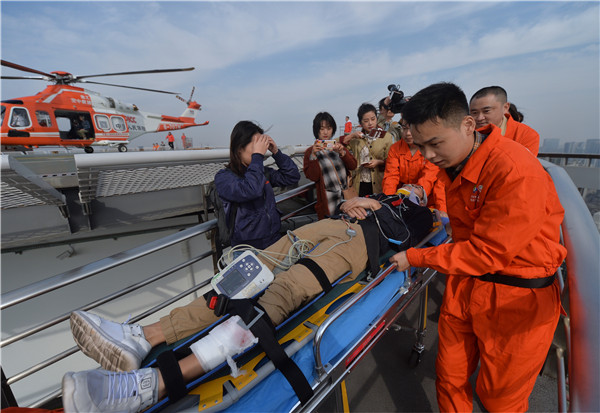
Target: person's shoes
x,y
117,347
106,391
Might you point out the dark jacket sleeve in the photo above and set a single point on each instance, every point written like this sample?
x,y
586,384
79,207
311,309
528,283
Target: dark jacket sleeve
x,y
287,174
234,188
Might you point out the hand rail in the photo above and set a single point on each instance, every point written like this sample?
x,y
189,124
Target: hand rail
x,y
583,243
50,284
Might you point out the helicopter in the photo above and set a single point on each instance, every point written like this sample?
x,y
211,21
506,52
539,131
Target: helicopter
x,y
67,115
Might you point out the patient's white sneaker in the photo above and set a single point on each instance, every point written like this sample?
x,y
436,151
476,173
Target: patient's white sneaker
x,y
117,347
107,391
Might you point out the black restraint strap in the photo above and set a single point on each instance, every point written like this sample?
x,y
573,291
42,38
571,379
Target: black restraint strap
x,y
371,234
317,272
263,329
171,374
518,282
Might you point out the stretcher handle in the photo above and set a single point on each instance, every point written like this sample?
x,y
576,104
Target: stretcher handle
x,y
341,310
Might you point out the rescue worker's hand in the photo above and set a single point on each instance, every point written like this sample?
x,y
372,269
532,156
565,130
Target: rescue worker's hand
x,y
400,260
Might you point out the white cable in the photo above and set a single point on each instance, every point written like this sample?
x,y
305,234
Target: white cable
x,y
297,250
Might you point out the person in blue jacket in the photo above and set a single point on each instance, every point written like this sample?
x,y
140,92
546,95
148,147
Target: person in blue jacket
x,y
246,182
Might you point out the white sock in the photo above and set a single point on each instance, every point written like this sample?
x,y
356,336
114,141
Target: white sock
x,y
224,341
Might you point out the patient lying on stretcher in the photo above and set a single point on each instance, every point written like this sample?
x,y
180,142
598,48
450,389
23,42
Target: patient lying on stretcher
x,y
386,222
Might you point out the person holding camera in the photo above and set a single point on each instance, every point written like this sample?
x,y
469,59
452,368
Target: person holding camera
x,y
370,146
327,163
386,121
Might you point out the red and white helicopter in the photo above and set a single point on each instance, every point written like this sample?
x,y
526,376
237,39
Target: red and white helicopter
x,y
66,115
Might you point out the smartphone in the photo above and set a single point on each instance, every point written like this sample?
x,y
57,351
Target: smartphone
x,y
328,143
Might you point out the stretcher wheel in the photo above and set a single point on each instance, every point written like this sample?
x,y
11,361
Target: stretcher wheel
x,y
415,358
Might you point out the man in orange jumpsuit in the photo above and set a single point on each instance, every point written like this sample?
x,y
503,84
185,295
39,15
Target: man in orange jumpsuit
x,y
490,105
347,126
171,139
406,165
501,303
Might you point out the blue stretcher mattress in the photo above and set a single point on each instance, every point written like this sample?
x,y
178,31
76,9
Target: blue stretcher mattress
x,y
341,334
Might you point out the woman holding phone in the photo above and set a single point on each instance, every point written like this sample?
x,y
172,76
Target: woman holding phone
x,y
370,146
327,163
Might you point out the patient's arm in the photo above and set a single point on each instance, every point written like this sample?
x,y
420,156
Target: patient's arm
x,y
357,207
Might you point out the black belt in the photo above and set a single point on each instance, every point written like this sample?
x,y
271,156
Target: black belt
x,y
517,282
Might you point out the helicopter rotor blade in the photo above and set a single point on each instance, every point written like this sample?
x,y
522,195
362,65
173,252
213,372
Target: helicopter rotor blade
x,y
130,87
25,69
192,94
138,72
25,77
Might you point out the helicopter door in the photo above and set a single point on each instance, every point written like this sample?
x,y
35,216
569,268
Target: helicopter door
x,y
74,125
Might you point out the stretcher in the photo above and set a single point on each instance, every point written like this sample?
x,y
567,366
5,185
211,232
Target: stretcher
x,y
326,339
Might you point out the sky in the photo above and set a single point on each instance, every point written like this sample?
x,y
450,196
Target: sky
x,y
280,63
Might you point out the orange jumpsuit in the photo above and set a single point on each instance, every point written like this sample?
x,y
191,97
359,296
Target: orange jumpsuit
x,y
526,136
505,217
401,167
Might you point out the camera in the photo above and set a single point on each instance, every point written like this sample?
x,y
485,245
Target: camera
x,y
328,143
397,99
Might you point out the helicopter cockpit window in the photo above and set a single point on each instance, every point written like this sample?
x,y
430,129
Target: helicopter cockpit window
x,y
102,122
43,118
19,118
3,112
118,123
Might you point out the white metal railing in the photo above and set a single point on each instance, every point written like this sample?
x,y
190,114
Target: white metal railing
x,y
583,284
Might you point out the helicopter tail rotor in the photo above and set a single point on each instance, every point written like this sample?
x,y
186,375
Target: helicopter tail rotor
x,y
187,102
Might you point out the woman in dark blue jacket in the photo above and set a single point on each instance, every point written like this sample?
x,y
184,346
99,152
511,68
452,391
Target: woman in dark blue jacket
x,y
244,182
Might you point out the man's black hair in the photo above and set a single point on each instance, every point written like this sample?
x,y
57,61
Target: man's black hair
x,y
497,91
320,117
441,101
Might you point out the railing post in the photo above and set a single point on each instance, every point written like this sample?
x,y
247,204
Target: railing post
x,y
8,398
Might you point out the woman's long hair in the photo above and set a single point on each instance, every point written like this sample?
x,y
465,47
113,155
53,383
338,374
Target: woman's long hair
x,y
241,135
